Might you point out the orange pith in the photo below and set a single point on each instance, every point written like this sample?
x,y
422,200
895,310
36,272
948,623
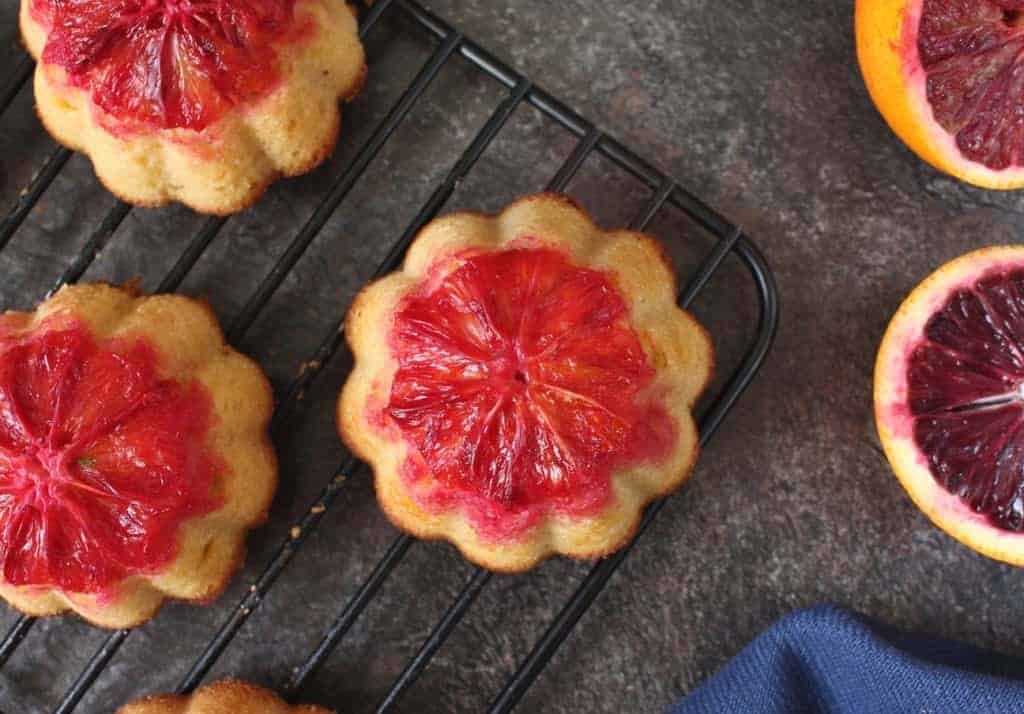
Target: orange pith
x,y
946,125
949,402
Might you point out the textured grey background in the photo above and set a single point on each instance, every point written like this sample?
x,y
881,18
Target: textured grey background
x,y
755,104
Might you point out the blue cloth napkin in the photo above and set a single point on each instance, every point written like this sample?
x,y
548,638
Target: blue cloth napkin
x,y
831,661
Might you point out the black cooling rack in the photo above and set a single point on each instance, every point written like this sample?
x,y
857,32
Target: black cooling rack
x,y
726,239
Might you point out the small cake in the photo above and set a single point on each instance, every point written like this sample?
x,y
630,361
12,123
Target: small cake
x,y
523,386
227,696
134,454
205,103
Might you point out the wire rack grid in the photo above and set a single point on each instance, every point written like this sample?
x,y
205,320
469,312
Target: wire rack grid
x,y
727,240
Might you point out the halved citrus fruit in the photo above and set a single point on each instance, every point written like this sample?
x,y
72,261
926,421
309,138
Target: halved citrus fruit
x,y
524,385
948,76
949,399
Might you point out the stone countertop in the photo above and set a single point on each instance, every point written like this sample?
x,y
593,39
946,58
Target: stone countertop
x,y
758,107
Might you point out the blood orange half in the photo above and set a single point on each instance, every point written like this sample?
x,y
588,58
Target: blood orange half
x,y
948,76
524,385
949,399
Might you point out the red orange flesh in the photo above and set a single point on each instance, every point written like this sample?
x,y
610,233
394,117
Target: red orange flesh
x,y
948,77
167,63
949,399
100,460
520,384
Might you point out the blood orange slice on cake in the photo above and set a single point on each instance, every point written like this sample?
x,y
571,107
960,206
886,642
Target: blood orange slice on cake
x,y
524,385
198,101
949,399
948,76
133,454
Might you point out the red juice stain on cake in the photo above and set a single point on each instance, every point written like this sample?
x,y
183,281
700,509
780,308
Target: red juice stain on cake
x,y
168,64
101,460
521,385
972,52
966,396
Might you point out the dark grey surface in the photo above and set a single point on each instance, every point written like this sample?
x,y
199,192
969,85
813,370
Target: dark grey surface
x,y
759,107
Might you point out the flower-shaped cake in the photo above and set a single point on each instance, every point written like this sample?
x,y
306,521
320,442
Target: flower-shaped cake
x,y
227,696
200,101
133,454
524,385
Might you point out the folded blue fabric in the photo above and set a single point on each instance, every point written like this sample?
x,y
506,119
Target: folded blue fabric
x,y
833,661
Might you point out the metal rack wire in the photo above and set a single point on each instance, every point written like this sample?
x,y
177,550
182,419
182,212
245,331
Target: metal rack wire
x,y
728,240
